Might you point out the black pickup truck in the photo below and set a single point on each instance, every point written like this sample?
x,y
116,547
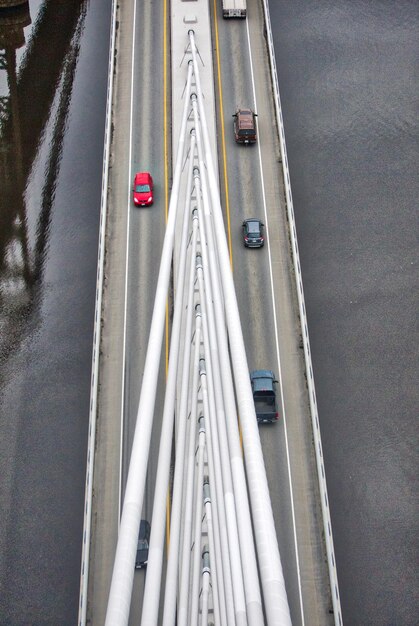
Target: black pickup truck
x,y
264,394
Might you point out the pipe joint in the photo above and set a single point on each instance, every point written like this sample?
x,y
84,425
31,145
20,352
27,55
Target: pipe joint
x,y
207,493
201,422
205,560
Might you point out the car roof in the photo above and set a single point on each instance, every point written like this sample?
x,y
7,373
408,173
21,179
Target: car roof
x,y
245,118
253,229
246,121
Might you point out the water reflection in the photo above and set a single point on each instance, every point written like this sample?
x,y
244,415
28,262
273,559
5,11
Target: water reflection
x,y
34,102
15,270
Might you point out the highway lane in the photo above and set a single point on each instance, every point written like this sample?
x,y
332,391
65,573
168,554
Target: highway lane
x,y
133,246
146,224
266,298
145,237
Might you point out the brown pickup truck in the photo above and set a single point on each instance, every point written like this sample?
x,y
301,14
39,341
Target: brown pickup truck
x,y
245,126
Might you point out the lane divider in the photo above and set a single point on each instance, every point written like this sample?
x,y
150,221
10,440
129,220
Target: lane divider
x,y
223,143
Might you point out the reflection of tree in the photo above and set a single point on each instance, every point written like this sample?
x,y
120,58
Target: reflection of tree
x,y
15,272
13,4
47,71
12,23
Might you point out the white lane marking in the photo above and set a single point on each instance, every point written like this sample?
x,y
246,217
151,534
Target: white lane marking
x,y
276,339
124,341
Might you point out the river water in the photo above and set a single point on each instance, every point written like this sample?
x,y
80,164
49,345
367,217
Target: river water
x,y
53,89
348,78
348,75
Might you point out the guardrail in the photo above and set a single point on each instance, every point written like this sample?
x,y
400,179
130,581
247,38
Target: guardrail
x,y
327,524
84,575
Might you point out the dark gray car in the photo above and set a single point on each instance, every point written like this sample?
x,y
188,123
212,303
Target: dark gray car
x,y
142,547
253,233
264,395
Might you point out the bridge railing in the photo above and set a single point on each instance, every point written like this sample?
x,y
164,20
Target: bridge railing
x,y
87,521
327,524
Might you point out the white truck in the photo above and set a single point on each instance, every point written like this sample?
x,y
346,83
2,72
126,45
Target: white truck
x,y
234,8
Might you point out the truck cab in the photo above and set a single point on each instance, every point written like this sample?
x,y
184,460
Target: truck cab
x,y
264,395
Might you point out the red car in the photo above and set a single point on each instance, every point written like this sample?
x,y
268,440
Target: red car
x,y
143,189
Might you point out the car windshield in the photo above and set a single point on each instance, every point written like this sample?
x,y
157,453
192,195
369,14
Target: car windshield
x,y
142,544
142,188
246,131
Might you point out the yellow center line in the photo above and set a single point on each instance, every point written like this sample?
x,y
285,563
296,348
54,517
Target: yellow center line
x,y
224,153
223,145
166,207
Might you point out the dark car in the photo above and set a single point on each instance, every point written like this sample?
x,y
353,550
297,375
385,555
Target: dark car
x,y
264,395
143,189
142,547
245,126
253,233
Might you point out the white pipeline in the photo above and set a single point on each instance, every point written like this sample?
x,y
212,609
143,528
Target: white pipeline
x,y
119,600
156,547
217,373
196,552
185,552
169,613
273,585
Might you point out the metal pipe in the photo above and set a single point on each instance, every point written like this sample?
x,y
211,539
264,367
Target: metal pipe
x,y
206,572
212,289
222,563
169,613
150,609
214,399
272,578
230,432
194,604
182,618
119,600
218,577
